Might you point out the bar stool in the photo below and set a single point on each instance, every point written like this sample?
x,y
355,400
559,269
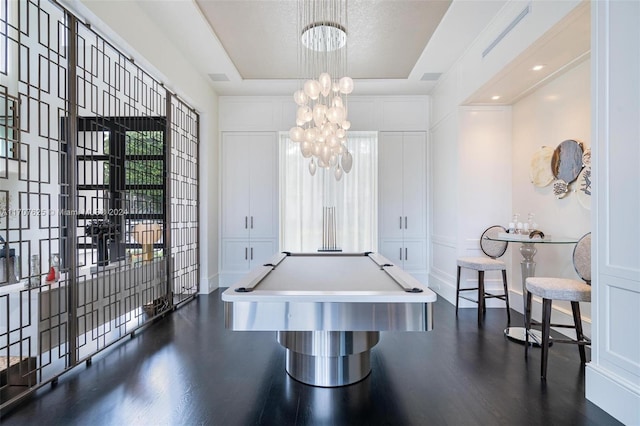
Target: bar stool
x,y
567,289
493,250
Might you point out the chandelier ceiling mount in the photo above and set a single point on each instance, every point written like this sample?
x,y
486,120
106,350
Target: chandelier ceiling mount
x,y
324,36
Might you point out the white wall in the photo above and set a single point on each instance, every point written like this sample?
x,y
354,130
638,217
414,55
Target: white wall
x,y
154,51
277,113
485,182
470,191
555,112
366,113
458,131
443,203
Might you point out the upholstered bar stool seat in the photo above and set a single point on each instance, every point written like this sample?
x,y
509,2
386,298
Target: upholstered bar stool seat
x,y
481,263
564,289
559,289
493,250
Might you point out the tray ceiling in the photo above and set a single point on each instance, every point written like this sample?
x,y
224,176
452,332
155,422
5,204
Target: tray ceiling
x,y
385,38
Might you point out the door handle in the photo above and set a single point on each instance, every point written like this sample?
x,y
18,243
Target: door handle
x,y
245,253
251,253
406,253
405,222
245,222
251,222
400,253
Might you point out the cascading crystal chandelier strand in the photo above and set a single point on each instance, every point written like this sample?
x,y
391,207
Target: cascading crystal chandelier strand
x,y
321,116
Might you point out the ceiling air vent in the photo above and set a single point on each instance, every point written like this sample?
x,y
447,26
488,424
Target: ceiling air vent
x,y
431,76
507,30
218,77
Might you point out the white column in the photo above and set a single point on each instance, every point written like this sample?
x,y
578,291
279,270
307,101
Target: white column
x,y
613,375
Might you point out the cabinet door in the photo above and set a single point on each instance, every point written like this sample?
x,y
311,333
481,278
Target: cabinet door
x,y
414,255
263,168
390,184
235,255
260,252
393,250
408,255
414,185
235,185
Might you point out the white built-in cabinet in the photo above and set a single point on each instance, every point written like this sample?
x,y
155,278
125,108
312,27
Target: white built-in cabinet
x,y
249,200
402,200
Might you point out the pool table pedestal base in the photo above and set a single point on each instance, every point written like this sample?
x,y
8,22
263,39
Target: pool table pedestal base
x,y
328,358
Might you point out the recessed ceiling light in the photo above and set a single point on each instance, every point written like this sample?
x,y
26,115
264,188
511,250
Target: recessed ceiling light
x,y
495,98
537,67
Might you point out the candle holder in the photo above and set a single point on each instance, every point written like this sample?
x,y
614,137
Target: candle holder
x,y
102,232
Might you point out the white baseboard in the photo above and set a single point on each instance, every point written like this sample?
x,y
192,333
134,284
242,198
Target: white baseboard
x,y
448,291
616,396
211,285
441,287
227,279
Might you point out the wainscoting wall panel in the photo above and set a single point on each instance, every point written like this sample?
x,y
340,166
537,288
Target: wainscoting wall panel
x,y
613,375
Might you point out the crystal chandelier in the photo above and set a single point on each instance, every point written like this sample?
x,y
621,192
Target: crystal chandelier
x,y
321,117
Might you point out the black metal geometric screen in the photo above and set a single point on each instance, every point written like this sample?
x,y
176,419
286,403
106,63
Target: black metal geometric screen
x,y
34,97
98,196
184,200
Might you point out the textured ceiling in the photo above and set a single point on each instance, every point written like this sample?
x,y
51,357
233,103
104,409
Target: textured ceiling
x,y
385,38
396,47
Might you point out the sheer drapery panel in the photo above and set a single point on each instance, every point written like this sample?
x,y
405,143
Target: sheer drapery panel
x,y
355,197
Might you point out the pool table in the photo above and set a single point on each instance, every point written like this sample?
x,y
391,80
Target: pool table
x,y
328,310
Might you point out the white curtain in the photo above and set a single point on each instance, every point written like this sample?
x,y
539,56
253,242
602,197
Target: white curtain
x,y
355,198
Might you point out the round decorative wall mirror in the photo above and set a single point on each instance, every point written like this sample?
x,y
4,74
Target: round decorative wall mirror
x,y
566,162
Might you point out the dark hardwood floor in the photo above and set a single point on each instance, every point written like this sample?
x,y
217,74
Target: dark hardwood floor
x,y
187,369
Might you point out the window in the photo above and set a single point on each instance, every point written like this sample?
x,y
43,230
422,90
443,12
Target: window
x,y
121,187
303,198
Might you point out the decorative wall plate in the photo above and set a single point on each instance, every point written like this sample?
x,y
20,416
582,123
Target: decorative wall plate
x,y
583,191
560,188
566,162
540,172
586,158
